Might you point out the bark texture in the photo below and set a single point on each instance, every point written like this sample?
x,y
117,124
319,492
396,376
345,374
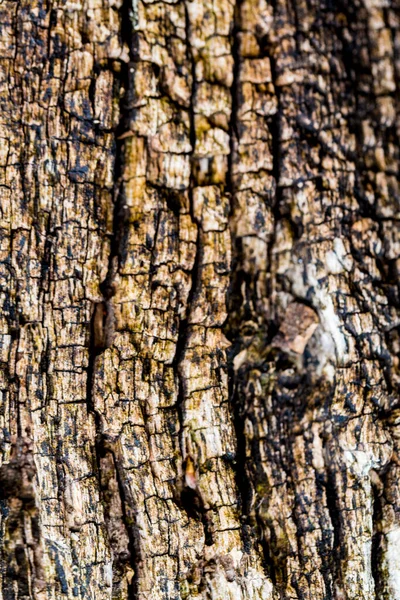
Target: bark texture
x,y
200,331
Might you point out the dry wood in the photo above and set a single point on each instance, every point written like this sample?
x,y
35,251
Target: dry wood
x,y
200,331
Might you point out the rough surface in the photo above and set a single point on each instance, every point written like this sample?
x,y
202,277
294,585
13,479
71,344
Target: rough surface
x,y
200,344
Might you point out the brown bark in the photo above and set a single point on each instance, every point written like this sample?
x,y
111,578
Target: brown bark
x,y
200,306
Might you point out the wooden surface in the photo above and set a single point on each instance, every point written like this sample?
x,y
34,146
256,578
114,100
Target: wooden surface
x,y
199,340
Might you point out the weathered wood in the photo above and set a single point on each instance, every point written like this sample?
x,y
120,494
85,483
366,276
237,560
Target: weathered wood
x,y
200,305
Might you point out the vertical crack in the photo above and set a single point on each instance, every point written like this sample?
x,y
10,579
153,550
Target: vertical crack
x,y
183,335
121,518
183,323
102,322
376,553
252,528
275,129
241,475
233,126
334,515
190,497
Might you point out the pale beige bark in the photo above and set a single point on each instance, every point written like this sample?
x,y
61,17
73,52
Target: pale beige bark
x,y
200,307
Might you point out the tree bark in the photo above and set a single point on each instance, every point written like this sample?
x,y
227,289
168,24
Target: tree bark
x,y
200,332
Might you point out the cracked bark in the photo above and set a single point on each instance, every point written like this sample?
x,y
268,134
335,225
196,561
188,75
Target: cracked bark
x,y
200,307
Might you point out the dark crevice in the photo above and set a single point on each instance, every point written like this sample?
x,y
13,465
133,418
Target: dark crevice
x,y
102,322
192,128
183,334
188,497
131,529
233,125
376,557
325,544
268,558
183,323
334,515
275,129
132,555
242,480
253,526
100,448
121,210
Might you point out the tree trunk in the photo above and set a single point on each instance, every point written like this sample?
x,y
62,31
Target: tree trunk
x,y
200,308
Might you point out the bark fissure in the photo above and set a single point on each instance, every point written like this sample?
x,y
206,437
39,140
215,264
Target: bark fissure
x,y
240,457
102,329
376,541
334,515
187,487
253,525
